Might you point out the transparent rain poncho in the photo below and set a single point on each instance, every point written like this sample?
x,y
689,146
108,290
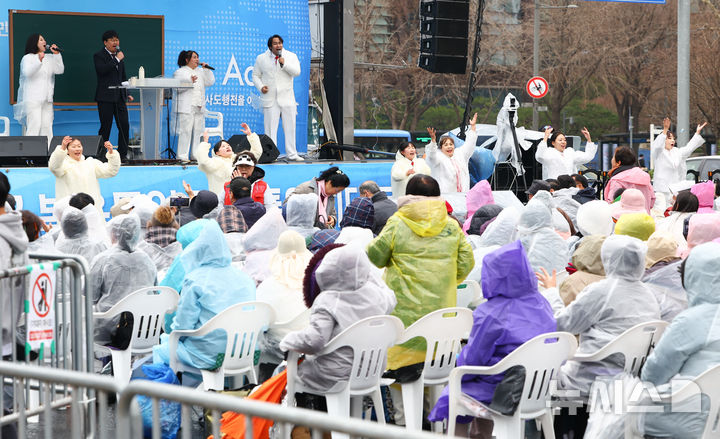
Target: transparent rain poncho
x,y
544,247
301,212
604,310
260,241
118,271
75,239
350,290
595,218
690,345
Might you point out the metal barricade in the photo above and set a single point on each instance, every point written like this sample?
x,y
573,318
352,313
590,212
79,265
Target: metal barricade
x,y
77,385
55,286
127,420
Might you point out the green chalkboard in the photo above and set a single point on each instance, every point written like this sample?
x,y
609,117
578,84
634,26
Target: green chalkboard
x,y
79,35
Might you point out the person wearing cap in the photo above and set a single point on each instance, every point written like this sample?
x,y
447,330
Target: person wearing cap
x,y
639,225
219,165
76,173
631,201
669,162
558,159
536,186
203,203
448,166
246,166
240,194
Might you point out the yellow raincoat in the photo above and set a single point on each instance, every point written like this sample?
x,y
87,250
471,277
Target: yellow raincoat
x,y
427,256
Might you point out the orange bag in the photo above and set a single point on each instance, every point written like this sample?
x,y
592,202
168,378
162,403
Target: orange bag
x,y
232,425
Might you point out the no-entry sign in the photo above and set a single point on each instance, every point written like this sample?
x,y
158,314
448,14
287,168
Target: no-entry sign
x,y
537,87
40,306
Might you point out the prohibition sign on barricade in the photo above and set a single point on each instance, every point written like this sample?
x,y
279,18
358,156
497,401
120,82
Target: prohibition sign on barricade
x,y
537,87
40,307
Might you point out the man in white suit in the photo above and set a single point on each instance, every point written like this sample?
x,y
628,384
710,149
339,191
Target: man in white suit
x,y
273,76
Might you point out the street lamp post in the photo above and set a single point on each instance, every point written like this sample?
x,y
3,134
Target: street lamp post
x,y
536,51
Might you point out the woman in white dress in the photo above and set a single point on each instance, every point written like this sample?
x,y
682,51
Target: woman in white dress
x,y
449,166
34,108
407,164
669,162
190,103
557,159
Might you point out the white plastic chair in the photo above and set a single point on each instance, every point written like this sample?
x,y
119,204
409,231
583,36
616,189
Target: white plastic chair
x,y
706,383
634,344
299,321
148,307
6,121
468,293
541,357
369,339
218,129
243,323
443,330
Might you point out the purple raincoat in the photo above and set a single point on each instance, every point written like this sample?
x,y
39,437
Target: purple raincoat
x,y
514,313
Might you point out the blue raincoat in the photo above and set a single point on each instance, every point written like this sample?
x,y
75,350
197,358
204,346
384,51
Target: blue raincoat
x,y
211,285
690,345
514,313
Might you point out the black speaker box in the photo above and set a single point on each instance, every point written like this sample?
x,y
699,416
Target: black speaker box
x,y
443,46
92,145
455,10
445,28
270,152
442,64
23,151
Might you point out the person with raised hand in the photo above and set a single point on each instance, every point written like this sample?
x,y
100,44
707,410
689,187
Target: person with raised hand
x,y
448,165
557,158
669,162
76,173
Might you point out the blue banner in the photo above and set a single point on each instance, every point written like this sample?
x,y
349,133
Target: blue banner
x,y
227,34
34,188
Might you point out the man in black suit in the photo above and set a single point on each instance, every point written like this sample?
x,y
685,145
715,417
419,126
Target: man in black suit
x,y
110,70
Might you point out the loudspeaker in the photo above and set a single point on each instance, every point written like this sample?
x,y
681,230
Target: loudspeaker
x,y
442,64
444,35
23,151
270,152
92,145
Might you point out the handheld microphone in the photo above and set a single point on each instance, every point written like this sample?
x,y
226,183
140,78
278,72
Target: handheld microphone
x,y
47,47
205,65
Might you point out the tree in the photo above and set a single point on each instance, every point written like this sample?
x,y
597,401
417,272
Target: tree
x,y
705,65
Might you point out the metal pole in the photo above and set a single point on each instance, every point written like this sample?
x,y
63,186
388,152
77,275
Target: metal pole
x,y
536,59
630,127
348,75
683,72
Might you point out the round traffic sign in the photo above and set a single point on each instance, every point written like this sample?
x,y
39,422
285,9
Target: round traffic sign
x,y
537,87
42,295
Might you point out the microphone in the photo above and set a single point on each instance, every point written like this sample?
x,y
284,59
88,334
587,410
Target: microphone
x,y
205,65
47,47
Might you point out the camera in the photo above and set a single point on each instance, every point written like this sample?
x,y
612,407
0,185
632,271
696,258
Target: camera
x,y
179,202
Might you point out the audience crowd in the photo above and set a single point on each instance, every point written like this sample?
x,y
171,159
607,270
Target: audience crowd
x,y
566,261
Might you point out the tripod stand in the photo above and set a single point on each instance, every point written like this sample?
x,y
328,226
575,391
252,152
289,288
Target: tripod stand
x,y
167,95
514,174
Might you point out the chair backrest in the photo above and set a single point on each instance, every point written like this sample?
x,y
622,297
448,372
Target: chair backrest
x,y
705,383
243,323
369,339
541,357
467,293
148,307
300,320
635,344
6,128
443,330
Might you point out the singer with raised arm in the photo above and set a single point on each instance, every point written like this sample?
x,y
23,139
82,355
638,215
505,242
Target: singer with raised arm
x,y
190,103
273,76
110,70
34,108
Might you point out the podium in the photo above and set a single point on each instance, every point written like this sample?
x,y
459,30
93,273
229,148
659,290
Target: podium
x,y
151,96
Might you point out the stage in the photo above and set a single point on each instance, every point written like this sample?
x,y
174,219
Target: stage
x,y
34,188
